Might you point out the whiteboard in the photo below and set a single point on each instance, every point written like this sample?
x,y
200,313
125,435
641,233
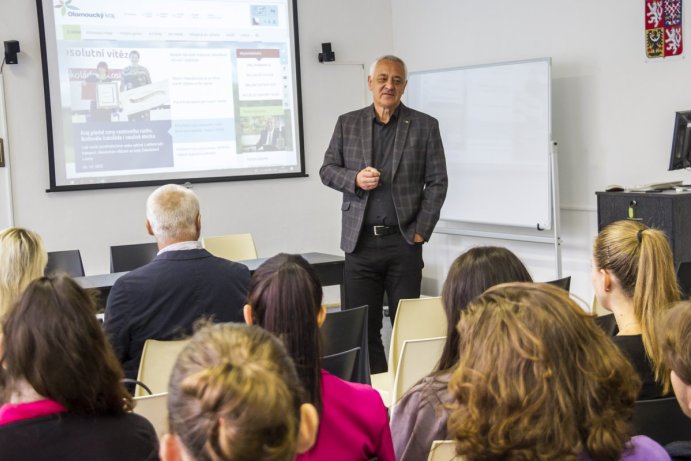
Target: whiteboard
x,y
495,126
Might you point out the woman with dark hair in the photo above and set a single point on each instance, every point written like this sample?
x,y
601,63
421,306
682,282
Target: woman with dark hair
x,y
537,379
634,278
62,383
285,298
420,417
234,395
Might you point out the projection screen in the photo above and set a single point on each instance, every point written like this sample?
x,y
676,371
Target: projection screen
x,y
155,91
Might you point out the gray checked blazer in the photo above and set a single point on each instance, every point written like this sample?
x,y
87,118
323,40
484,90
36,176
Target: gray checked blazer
x,y
419,171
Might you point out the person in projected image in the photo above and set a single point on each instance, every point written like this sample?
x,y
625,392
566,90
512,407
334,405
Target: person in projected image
x,y
271,137
97,114
134,76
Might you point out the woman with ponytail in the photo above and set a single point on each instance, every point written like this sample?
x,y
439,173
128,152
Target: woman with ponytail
x,y
285,298
633,277
234,395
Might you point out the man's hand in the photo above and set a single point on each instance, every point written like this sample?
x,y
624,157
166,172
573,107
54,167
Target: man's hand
x,y
367,178
419,238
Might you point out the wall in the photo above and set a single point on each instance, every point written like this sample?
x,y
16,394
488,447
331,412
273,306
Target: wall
x,y
293,215
613,109
613,113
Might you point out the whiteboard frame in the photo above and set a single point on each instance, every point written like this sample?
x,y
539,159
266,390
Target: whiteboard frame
x,y
505,231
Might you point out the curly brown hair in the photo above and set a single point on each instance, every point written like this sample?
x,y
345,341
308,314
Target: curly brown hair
x,y
538,380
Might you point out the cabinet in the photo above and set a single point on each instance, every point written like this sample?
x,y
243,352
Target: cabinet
x,y
669,211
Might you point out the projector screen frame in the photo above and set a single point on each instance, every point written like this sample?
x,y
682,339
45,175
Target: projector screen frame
x,y
297,133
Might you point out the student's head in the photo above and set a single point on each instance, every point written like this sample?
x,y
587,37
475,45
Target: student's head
x,y
538,379
634,261
53,342
134,56
285,298
22,259
674,334
234,395
172,214
470,274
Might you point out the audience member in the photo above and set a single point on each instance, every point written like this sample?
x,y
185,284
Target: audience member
x,y
420,417
62,383
674,334
163,299
537,379
234,395
22,259
633,277
285,298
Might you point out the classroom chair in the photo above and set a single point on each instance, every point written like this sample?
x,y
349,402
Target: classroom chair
x,y
155,409
68,261
443,450
234,247
417,318
344,330
158,359
419,357
124,258
341,364
662,420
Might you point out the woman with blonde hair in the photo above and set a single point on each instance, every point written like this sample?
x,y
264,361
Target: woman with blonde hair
x,y
538,380
22,259
234,395
633,277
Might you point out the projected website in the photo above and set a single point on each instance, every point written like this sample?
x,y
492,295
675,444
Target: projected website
x,y
172,89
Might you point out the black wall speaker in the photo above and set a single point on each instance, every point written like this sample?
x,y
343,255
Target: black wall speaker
x,y
11,50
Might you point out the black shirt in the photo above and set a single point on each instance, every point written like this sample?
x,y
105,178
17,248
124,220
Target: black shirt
x,y
632,347
380,207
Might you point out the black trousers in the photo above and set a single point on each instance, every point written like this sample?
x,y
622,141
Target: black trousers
x,y
381,264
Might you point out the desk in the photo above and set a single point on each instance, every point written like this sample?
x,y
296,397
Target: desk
x,y
329,269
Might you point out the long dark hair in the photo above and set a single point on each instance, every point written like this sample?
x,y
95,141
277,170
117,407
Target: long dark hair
x,y
471,274
53,341
286,295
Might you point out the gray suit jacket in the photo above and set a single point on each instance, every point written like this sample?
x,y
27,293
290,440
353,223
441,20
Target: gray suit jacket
x,y
419,172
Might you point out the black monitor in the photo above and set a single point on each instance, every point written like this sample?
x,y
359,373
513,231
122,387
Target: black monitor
x,y
681,142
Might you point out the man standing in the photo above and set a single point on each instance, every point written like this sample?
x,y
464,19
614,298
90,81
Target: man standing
x,y
388,161
184,283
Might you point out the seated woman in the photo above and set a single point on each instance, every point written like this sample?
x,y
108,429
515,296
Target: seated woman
x,y
633,277
537,379
234,395
22,259
285,298
61,382
420,417
674,334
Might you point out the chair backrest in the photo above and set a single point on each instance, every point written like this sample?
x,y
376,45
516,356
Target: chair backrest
x,y
684,277
563,283
443,450
155,409
68,261
125,258
235,247
345,330
662,420
158,358
417,318
418,358
341,364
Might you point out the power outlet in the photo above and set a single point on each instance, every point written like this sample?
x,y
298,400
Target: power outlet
x,y
2,153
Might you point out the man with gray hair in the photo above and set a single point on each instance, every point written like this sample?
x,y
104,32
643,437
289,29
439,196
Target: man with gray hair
x,y
388,162
163,299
